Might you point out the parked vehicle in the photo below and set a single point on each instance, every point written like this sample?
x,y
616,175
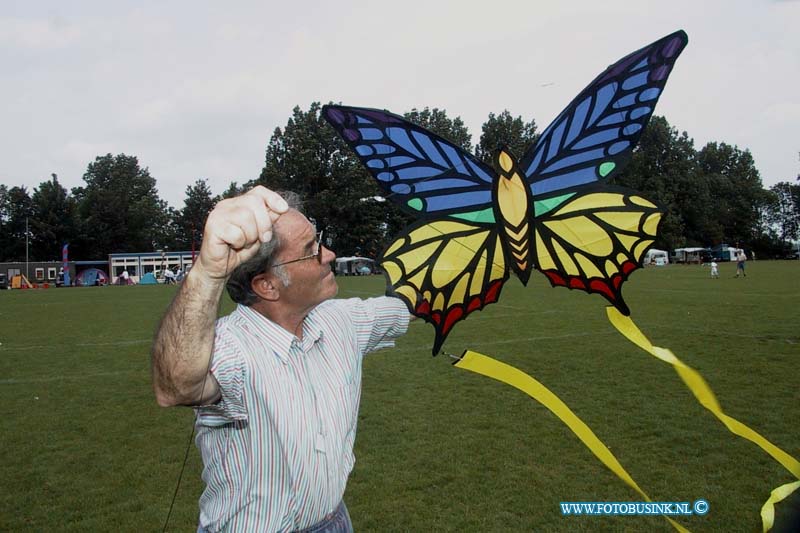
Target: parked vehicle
x,y
723,252
656,257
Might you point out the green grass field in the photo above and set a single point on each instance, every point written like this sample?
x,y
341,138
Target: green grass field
x,y
85,447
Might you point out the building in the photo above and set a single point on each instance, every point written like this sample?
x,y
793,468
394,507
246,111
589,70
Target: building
x,y
139,264
41,272
35,271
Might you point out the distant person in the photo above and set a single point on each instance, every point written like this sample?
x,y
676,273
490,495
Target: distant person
x,y
169,276
741,257
125,277
714,269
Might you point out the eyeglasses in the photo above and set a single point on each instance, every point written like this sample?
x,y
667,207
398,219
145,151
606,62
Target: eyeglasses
x,y
317,250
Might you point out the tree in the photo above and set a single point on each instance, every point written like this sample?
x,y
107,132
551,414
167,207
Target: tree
x,y
166,233
768,243
17,210
663,169
54,220
309,158
505,130
191,220
437,121
786,210
120,208
735,191
233,190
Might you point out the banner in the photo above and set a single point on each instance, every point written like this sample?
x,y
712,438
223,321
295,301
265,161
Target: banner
x,y
65,264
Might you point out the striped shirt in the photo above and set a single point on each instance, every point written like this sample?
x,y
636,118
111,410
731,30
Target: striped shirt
x,y
278,446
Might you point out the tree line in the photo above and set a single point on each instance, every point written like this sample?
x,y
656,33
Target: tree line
x,y
712,195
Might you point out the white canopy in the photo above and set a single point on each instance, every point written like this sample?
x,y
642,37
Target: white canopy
x,y
354,258
688,250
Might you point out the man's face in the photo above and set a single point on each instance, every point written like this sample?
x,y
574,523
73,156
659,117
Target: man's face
x,y
311,281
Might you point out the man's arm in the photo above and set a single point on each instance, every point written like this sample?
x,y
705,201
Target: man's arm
x,y
184,341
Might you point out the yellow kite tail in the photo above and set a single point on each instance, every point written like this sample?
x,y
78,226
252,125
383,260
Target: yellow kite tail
x,y
777,495
698,386
482,364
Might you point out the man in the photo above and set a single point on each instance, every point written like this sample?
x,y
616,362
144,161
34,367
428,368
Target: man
x,y
740,260
278,381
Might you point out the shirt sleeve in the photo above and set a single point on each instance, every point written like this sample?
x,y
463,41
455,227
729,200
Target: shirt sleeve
x,y
378,321
228,368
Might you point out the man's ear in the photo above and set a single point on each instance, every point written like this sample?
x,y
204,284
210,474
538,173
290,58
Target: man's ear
x,y
266,286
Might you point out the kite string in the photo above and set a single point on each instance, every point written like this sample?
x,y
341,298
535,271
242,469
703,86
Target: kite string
x,y
191,433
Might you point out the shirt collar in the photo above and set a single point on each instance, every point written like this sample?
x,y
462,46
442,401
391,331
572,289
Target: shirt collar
x,y
281,339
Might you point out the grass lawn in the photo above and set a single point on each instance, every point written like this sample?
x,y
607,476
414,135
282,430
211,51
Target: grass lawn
x,y
85,447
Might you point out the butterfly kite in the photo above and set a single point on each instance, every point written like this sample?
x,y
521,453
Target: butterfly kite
x,y
552,210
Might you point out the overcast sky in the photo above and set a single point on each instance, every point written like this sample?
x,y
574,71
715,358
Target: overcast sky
x,y
195,89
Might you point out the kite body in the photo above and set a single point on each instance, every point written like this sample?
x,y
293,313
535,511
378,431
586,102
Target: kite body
x,y
550,211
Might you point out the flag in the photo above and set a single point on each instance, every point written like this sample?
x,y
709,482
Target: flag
x,y
65,263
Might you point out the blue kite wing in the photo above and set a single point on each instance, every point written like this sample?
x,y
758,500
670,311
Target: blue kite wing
x,y
593,138
417,169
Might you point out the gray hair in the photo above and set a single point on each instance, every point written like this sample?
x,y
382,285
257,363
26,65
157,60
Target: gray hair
x,y
239,284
